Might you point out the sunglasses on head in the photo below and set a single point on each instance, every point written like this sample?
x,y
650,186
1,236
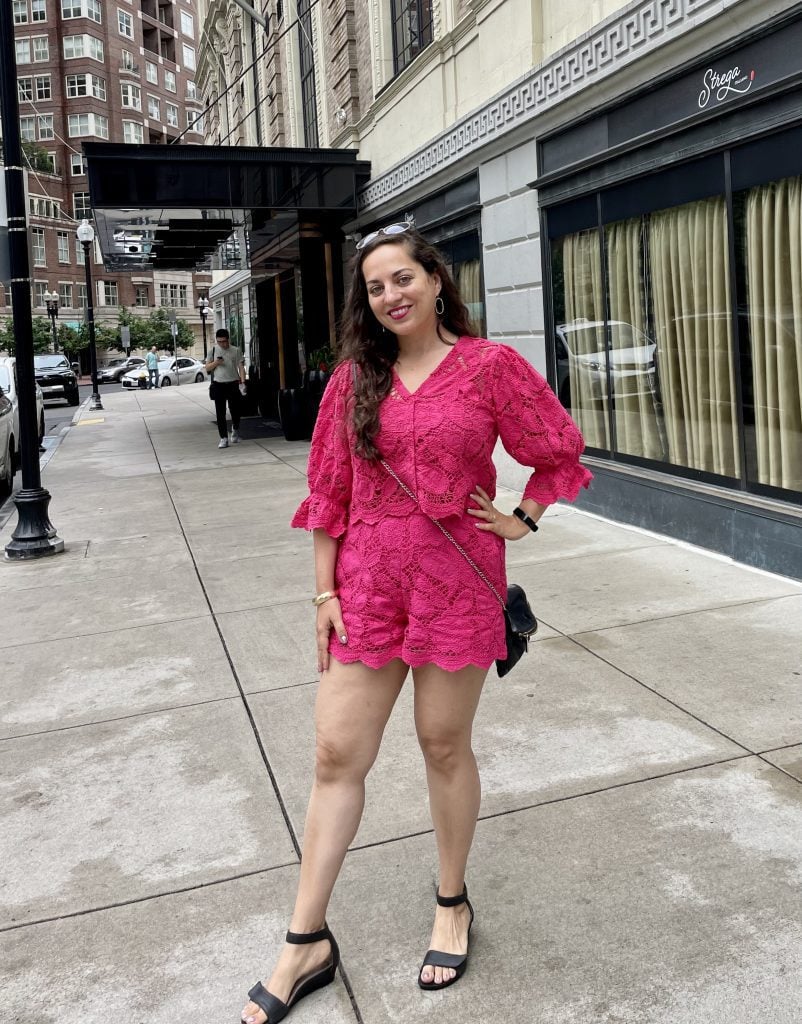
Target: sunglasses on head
x,y
391,229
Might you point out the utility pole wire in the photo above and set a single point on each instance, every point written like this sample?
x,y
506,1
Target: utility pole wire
x,y
271,42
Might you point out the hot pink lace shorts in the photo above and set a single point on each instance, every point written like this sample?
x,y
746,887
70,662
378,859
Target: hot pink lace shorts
x,y
407,593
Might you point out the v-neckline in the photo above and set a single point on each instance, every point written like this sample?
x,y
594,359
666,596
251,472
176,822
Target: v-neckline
x,y
435,371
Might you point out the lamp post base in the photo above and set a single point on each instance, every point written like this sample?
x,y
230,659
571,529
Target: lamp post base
x,y
95,403
34,535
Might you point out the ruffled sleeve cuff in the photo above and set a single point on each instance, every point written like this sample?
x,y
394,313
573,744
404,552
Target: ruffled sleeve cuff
x,y
560,482
320,512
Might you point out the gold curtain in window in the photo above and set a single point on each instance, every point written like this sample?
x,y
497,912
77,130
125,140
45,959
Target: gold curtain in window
x,y
638,429
774,280
469,289
693,324
584,301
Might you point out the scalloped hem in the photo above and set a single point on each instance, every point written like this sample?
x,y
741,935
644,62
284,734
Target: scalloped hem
x,y
571,493
448,665
316,513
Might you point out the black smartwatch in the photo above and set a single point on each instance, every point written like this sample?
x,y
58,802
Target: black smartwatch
x,y
520,514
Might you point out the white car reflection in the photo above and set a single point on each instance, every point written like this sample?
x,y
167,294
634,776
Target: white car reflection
x,y
583,348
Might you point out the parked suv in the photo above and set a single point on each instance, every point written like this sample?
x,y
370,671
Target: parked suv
x,y
115,368
56,377
8,386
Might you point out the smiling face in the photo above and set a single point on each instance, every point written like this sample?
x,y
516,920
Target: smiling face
x,y
400,291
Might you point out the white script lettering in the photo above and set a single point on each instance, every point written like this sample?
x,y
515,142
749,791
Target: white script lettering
x,y
721,85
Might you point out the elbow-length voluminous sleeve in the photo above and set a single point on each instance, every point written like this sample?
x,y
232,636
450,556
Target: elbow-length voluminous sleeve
x,y
537,431
330,473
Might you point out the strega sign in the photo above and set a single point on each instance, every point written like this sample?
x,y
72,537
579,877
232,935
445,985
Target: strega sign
x,y
721,85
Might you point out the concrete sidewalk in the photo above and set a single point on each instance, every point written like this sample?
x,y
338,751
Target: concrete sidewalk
x,y
639,854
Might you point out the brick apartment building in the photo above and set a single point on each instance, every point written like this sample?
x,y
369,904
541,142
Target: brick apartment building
x,y
96,71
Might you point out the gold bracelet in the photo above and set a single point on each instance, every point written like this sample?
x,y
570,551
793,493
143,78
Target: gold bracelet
x,y
320,599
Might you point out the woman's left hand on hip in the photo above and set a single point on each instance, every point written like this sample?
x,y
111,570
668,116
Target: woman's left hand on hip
x,y
493,521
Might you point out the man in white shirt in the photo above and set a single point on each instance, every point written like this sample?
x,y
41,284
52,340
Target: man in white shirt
x,y
227,367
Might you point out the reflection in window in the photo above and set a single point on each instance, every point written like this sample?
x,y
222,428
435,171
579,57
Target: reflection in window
x,y
772,249
580,334
412,30
639,425
667,351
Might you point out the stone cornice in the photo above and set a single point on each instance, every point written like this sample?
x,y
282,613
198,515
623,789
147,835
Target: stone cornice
x,y
625,37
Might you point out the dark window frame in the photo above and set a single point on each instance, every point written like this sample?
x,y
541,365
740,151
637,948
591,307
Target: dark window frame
x,y
421,11
306,55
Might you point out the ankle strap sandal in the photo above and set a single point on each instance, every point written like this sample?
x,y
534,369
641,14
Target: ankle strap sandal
x,y
271,1005
436,958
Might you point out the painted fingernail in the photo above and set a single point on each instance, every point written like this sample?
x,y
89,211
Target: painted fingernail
x,y
343,639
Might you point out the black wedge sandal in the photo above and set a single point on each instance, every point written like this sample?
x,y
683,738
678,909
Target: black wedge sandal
x,y
435,958
273,1007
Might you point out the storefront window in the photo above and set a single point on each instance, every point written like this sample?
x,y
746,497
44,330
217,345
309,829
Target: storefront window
x,y
769,231
462,257
663,349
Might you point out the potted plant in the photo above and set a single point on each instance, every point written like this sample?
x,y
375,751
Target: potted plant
x,y
320,364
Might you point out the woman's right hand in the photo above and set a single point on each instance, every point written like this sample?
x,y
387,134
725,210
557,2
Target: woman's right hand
x,y
329,617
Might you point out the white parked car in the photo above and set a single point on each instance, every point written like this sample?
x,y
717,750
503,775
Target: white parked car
x,y
171,371
8,387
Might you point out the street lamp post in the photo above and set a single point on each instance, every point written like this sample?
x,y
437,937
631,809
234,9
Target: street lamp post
x,y
51,300
86,236
203,309
34,535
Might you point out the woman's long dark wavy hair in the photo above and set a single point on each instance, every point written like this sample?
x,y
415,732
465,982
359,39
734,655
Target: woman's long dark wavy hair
x,y
375,349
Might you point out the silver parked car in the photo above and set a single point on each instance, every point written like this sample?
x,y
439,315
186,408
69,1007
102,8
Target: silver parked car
x,y
117,367
191,371
8,387
7,450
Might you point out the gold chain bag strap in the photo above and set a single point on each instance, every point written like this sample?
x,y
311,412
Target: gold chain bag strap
x,y
519,619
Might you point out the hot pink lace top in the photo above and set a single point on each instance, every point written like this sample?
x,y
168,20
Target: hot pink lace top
x,y
440,441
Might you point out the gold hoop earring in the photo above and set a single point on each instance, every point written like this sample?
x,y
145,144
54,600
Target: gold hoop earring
x,y
439,305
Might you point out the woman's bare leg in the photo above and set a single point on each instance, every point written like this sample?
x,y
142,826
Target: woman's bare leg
x,y
445,706
353,705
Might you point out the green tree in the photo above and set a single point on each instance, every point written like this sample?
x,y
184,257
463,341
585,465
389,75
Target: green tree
x,y
70,340
37,158
42,335
154,329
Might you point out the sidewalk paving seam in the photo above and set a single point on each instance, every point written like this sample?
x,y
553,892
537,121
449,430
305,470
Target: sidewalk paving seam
x,y
546,560
244,698
566,799
118,718
662,696
383,842
662,618
105,632
229,659
779,768
145,899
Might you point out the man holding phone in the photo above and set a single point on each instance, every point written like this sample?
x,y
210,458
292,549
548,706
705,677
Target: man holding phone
x,y
227,370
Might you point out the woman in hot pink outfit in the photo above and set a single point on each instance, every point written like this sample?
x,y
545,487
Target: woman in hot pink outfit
x,y
417,390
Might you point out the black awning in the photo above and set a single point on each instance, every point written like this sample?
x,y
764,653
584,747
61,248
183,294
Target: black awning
x,y
171,207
